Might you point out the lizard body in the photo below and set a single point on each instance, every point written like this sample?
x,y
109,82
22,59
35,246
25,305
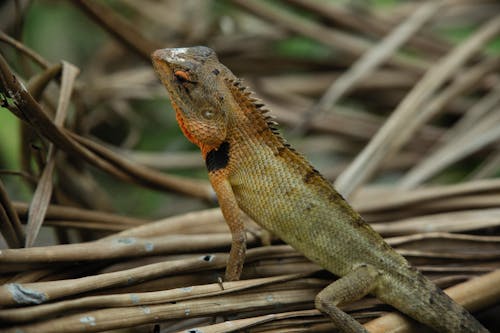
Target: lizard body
x,y
252,168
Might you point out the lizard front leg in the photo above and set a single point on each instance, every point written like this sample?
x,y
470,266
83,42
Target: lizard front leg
x,y
234,219
350,287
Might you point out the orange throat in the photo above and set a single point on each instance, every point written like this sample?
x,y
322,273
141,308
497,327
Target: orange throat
x,y
180,120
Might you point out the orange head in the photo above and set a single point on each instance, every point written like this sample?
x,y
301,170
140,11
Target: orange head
x,y
191,76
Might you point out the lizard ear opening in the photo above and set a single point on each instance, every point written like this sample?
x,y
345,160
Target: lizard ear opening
x,y
208,114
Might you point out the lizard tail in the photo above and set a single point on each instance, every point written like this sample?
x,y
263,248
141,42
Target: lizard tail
x,y
431,306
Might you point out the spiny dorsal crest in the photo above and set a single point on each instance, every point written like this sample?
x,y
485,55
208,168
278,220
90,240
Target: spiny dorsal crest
x,y
246,98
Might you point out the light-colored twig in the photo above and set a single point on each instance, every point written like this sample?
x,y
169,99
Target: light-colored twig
x,y
43,192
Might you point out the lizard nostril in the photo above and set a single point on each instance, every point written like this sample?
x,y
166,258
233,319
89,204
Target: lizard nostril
x,y
157,55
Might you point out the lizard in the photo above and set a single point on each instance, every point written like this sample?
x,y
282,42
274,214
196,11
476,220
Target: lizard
x,y
253,170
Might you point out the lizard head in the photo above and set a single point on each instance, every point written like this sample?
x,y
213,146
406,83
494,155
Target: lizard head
x,y
191,76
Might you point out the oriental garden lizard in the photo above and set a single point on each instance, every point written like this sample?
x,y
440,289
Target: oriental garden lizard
x,y
252,169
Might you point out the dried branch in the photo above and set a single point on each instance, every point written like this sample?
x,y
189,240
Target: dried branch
x,y
43,192
11,228
42,292
38,59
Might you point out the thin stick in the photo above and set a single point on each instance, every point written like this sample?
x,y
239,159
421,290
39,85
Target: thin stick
x,y
106,319
464,134
477,138
58,212
38,59
147,298
43,192
239,325
11,215
42,292
121,247
459,221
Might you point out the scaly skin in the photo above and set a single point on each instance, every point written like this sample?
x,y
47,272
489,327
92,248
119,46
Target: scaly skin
x,y
251,168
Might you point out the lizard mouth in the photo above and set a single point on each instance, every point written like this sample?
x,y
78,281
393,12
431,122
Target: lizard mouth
x,y
163,69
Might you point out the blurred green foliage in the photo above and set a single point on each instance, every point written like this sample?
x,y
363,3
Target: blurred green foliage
x,y
9,140
58,30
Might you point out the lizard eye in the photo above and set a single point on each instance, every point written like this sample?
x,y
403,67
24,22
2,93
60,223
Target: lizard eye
x,y
207,114
182,76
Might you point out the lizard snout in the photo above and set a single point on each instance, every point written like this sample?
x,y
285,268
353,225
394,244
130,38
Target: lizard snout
x,y
160,55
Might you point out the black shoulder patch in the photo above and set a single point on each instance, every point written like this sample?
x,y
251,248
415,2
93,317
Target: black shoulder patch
x,y
218,159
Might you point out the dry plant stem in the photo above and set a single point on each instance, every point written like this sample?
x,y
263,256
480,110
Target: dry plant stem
x,y
12,12
390,137
43,192
471,133
449,255
481,108
146,176
115,248
327,36
370,60
80,225
389,198
482,134
29,276
7,230
350,125
460,221
475,294
10,219
26,314
401,240
22,174
24,49
174,224
123,247
41,292
28,110
488,168
170,160
57,212
113,318
312,84
470,202
242,324
121,29
36,86
468,80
